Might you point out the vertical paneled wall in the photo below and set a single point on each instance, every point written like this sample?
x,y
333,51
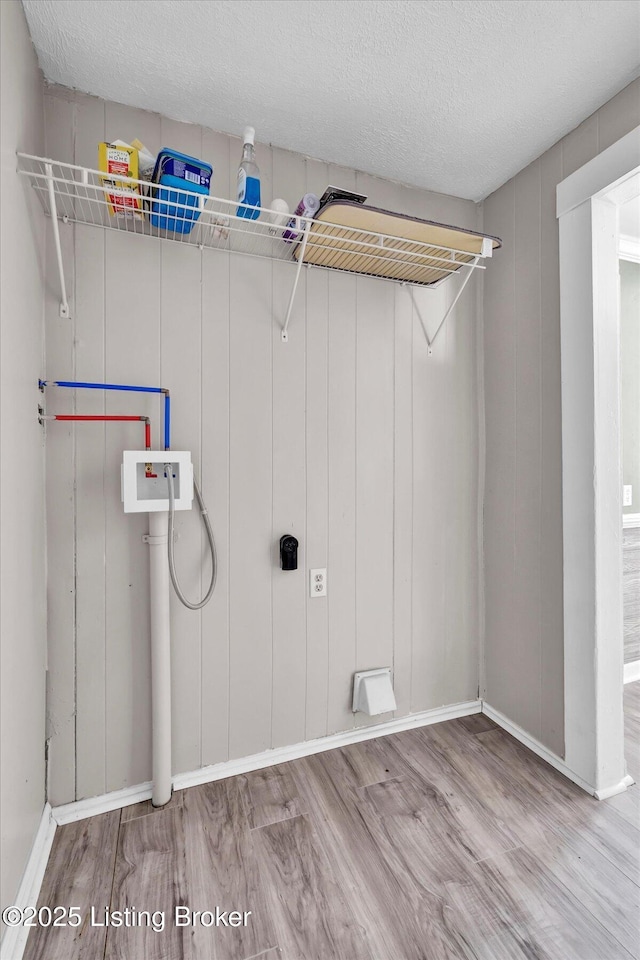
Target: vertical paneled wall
x,y
23,641
523,499
349,436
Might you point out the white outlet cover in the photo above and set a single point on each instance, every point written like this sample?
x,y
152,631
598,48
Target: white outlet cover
x,y
627,495
318,582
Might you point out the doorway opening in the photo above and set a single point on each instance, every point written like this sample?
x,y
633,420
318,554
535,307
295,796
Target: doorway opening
x,y
588,209
629,252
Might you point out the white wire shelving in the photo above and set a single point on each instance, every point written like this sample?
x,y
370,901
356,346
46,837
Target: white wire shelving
x,y
73,194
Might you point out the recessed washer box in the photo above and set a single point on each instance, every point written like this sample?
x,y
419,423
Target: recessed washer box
x,y
144,486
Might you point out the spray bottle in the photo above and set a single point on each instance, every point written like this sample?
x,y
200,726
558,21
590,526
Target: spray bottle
x,y
248,179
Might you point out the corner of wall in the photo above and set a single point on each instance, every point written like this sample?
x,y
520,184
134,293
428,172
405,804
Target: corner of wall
x,y
481,460
22,571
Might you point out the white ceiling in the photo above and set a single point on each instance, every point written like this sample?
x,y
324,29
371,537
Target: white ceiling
x,y
451,95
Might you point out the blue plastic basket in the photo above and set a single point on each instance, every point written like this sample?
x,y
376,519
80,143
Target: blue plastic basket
x,y
181,179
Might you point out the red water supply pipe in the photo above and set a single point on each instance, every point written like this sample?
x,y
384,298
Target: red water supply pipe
x,y
104,417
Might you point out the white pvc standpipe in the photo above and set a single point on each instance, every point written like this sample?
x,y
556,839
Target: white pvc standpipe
x,y
160,658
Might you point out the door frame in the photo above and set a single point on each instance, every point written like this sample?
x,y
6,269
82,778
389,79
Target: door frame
x,y
586,207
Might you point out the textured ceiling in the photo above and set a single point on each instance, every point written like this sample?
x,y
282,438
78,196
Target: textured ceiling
x,y
452,95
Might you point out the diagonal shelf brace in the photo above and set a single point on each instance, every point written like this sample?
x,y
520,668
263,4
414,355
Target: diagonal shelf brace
x,y
430,340
64,303
285,328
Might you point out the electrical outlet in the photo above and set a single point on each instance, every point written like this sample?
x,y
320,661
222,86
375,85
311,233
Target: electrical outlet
x,y
318,583
627,495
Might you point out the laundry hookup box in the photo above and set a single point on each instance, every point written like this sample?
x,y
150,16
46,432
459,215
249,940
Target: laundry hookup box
x,y
180,180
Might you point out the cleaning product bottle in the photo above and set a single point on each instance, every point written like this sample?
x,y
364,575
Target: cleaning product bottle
x,y
308,207
248,179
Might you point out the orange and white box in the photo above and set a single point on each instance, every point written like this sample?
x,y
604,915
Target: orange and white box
x,y
118,162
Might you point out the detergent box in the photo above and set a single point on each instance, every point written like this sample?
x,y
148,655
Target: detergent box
x,y
180,181
118,162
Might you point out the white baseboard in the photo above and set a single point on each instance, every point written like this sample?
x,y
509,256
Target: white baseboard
x,y
551,758
630,520
15,938
82,809
283,754
632,671
620,787
535,746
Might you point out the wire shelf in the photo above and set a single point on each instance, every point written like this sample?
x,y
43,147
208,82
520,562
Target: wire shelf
x,y
75,194
81,196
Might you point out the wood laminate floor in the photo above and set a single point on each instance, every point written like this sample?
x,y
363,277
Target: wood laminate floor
x,y
631,586
445,842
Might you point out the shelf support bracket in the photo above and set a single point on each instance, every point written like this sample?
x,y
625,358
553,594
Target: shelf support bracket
x,y
431,340
64,303
285,329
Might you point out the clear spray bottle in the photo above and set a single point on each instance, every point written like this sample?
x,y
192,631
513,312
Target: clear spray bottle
x,y
248,179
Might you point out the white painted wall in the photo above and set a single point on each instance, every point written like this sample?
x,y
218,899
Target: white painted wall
x,y
523,505
22,550
349,437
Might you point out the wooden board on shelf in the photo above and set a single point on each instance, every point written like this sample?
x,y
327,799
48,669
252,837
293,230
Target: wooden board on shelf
x,y
363,239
